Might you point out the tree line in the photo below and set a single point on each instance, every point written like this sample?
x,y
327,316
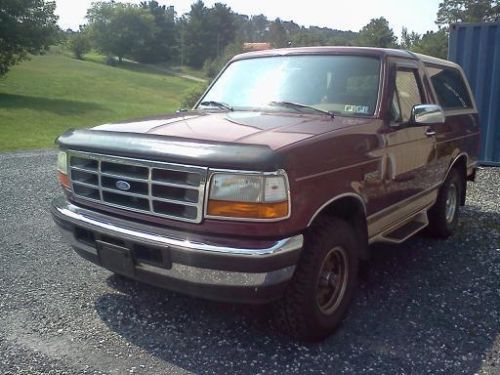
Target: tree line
x,y
205,37
151,33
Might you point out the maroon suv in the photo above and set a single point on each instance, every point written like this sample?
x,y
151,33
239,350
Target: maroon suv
x,y
272,188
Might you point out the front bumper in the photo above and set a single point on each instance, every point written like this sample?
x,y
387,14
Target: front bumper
x,y
210,268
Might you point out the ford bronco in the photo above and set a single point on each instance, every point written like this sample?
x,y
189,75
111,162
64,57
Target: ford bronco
x,y
272,188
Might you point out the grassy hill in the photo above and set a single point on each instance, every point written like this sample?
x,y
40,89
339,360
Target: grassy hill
x,y
41,98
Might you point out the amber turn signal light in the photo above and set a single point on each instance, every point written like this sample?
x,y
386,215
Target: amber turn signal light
x,y
63,179
275,210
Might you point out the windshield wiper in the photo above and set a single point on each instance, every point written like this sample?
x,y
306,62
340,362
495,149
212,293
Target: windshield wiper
x,y
213,103
299,106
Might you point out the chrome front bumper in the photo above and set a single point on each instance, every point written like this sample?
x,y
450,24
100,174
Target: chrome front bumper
x,y
207,268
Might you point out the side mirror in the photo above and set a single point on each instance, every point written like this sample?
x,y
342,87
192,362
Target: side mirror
x,y
427,114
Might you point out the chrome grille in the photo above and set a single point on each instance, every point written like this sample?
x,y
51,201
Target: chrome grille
x,y
161,189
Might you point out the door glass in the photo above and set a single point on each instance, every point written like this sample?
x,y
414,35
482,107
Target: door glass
x,y
407,94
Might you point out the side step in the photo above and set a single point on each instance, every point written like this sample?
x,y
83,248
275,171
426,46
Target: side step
x,y
405,231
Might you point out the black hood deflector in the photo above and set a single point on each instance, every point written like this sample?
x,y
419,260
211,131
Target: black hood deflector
x,y
173,149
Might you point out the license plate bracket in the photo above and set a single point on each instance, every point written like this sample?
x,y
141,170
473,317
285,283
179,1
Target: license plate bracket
x,y
115,258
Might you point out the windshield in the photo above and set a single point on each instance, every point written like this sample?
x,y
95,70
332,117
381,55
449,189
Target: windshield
x,y
341,84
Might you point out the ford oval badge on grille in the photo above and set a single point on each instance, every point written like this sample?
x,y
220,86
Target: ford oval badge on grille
x,y
122,185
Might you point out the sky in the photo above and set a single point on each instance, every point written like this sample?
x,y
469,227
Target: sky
x,y
416,15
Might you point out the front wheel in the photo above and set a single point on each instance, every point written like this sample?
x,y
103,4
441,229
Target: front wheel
x,y
319,294
443,216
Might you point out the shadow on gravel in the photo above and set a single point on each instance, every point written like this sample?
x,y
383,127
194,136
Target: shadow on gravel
x,y
424,306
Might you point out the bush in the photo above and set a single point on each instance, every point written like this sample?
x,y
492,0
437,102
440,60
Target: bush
x,y
212,67
111,61
79,44
192,96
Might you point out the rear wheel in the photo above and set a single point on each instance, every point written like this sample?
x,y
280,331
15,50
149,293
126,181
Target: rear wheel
x,y
323,285
443,216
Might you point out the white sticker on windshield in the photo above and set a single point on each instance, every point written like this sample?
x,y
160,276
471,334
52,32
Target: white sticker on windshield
x,y
356,108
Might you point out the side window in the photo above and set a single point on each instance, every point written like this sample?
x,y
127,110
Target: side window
x,y
406,95
450,87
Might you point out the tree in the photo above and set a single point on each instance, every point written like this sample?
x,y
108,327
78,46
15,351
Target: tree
x,y
409,39
305,38
277,34
260,28
377,33
119,29
433,43
79,43
195,38
222,27
163,42
206,32
26,27
452,11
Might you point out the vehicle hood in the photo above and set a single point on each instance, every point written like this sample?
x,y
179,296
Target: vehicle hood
x,y
275,130
226,140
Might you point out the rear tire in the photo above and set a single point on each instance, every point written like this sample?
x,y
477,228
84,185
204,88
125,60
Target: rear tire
x,y
443,216
321,290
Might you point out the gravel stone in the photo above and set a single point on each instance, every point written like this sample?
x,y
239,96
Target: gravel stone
x,y
423,307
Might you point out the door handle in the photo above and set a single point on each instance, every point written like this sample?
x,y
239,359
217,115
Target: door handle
x,y
430,132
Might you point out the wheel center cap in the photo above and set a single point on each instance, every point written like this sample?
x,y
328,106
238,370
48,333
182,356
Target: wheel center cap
x,y
332,279
328,279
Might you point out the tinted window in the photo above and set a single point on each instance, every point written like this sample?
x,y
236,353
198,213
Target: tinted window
x,y
406,95
344,84
450,87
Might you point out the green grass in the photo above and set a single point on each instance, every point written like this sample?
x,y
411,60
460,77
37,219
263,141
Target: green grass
x,y
43,97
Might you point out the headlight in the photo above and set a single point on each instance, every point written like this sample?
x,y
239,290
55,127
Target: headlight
x,y
62,169
248,196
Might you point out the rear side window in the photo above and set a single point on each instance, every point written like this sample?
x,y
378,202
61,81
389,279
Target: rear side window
x,y
450,87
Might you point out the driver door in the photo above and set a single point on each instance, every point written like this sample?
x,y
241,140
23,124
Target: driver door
x,y
410,150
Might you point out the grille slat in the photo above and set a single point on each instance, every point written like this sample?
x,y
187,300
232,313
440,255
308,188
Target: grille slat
x,y
173,184
184,203
112,175
84,184
176,177
161,189
84,163
140,188
86,192
125,170
116,191
180,209
83,169
85,177
174,193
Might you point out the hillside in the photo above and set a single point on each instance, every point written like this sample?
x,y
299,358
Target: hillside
x,y
41,98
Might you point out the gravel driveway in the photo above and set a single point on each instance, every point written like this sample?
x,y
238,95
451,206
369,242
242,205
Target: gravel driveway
x,y
423,307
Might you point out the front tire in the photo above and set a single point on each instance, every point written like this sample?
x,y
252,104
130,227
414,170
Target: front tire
x,y
443,216
321,290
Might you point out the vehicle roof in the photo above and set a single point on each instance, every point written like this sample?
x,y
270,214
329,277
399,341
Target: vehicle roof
x,y
365,51
435,60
